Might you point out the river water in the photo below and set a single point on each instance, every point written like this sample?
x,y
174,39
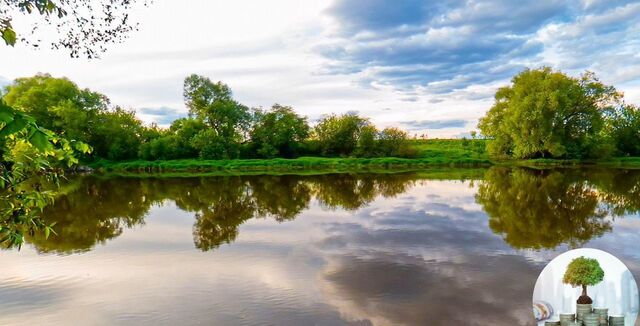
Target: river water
x,y
435,247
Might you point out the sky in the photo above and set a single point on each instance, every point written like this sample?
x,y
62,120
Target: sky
x,y
425,66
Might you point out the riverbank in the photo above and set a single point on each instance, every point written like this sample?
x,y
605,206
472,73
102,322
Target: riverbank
x,y
432,153
315,165
298,165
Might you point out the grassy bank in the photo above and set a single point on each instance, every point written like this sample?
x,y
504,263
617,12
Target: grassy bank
x,y
434,153
303,164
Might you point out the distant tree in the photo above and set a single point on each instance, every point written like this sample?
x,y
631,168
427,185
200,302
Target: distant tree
x,y
116,134
545,113
83,27
368,141
583,272
338,135
393,142
229,120
278,132
624,127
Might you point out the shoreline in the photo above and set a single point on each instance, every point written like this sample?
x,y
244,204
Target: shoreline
x,y
322,165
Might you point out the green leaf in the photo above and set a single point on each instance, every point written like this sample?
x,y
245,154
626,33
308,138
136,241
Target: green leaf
x,y
18,124
9,36
7,114
40,140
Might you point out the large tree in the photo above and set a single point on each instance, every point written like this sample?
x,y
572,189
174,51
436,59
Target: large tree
x,y
278,132
229,121
545,113
59,105
83,27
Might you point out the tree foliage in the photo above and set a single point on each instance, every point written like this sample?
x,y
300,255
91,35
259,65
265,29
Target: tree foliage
x,y
61,106
278,132
28,151
229,121
624,127
583,271
82,27
545,113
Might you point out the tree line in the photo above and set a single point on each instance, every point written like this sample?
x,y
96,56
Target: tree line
x,y
217,126
547,114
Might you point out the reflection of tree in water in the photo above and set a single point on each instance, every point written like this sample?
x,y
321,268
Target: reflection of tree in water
x,y
93,213
100,209
233,200
619,190
541,209
351,192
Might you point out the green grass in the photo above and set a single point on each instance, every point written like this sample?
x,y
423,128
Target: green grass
x,y
280,166
431,154
450,150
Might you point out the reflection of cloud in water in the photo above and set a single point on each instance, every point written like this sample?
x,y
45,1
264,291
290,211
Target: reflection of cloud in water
x,y
422,254
424,263
481,290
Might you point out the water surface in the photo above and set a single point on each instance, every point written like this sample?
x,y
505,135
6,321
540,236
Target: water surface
x,y
447,247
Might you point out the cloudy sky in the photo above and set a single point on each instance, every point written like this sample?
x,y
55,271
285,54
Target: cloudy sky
x,y
426,66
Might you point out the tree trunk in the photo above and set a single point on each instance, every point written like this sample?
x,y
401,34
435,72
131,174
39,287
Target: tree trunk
x,y
584,290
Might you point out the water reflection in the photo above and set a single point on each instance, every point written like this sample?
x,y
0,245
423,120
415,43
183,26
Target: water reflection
x,y
99,209
396,249
529,208
542,209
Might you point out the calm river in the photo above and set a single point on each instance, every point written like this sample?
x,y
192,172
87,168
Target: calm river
x,y
441,247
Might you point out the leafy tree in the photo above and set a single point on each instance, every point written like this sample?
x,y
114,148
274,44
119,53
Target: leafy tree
x,y
83,27
583,272
624,125
229,120
368,142
61,106
339,135
393,142
545,113
278,132
28,150
58,104
116,134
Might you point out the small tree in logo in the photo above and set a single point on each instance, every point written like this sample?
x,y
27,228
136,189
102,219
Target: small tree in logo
x,y
583,272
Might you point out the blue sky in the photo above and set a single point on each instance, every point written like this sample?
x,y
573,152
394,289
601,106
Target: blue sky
x,y
426,66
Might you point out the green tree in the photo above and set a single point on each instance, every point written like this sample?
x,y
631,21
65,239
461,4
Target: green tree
x,y
545,113
393,142
174,143
117,134
83,27
57,104
583,272
624,125
229,120
339,135
278,132
28,152
368,142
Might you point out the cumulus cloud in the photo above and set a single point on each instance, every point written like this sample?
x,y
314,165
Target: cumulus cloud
x,y
444,46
